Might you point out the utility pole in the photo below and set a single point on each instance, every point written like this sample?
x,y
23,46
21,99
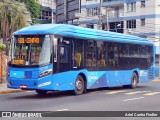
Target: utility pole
x,y
100,16
107,17
65,12
52,15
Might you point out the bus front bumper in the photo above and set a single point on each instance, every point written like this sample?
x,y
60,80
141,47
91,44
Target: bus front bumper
x,y
38,84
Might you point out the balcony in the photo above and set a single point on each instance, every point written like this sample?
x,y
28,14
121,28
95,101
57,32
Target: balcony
x,y
113,2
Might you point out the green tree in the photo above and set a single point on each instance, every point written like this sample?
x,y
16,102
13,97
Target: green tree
x,y
12,17
34,9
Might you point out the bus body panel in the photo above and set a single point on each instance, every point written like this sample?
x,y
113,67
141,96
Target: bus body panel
x,y
66,80
60,81
110,78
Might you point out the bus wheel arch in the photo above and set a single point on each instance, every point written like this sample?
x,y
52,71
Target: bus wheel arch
x,y
137,75
134,80
85,81
80,84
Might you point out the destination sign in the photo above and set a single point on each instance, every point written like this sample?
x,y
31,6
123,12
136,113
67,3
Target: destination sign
x,y
18,62
28,40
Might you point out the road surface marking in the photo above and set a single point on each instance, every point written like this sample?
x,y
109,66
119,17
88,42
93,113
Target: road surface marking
x,y
133,99
152,93
136,92
114,92
62,110
157,80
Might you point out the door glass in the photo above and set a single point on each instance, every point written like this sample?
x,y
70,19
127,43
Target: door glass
x,y
64,54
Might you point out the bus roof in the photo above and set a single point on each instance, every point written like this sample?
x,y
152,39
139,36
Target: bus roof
x,y
80,32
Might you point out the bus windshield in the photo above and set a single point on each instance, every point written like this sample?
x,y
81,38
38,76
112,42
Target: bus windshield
x,y
31,50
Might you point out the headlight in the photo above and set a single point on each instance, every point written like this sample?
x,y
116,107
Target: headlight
x,y
45,73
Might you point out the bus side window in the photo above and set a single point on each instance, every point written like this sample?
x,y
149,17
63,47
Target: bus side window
x,y
90,53
112,54
78,53
78,58
88,61
101,51
101,61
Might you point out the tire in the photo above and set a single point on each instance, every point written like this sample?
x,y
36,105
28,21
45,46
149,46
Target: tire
x,y
41,92
134,80
79,85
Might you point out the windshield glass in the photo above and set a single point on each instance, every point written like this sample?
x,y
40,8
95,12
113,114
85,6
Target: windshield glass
x,y
31,50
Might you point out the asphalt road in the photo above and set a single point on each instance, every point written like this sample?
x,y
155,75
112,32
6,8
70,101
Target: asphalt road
x,y
146,97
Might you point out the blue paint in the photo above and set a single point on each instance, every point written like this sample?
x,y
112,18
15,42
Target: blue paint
x,y
66,80
16,74
94,77
100,82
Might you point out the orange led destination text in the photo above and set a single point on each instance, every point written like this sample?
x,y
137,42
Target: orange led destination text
x,y
18,62
28,40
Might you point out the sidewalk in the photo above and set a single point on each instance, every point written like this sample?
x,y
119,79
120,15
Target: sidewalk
x,y
5,90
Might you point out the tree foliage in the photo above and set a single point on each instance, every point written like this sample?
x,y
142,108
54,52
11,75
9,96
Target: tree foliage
x,y
12,17
34,9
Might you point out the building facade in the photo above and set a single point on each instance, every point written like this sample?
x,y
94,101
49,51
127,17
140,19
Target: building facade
x,y
136,17
48,11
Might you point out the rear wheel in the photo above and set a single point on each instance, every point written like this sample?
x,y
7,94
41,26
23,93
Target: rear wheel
x,y
134,80
79,86
41,92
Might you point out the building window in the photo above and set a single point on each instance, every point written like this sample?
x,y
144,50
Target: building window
x,y
92,11
131,7
90,26
142,3
131,24
142,22
95,11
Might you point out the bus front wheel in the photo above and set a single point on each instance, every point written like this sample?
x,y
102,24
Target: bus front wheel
x,y
79,85
41,92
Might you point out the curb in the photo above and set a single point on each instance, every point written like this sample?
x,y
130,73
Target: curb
x,y
11,91
156,80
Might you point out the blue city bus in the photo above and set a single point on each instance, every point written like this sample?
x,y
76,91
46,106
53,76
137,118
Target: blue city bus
x,y
60,57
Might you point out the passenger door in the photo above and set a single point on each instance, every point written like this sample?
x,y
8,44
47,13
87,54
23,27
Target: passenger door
x,y
64,56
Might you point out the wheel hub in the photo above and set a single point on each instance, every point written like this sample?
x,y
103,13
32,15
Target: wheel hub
x,y
79,85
